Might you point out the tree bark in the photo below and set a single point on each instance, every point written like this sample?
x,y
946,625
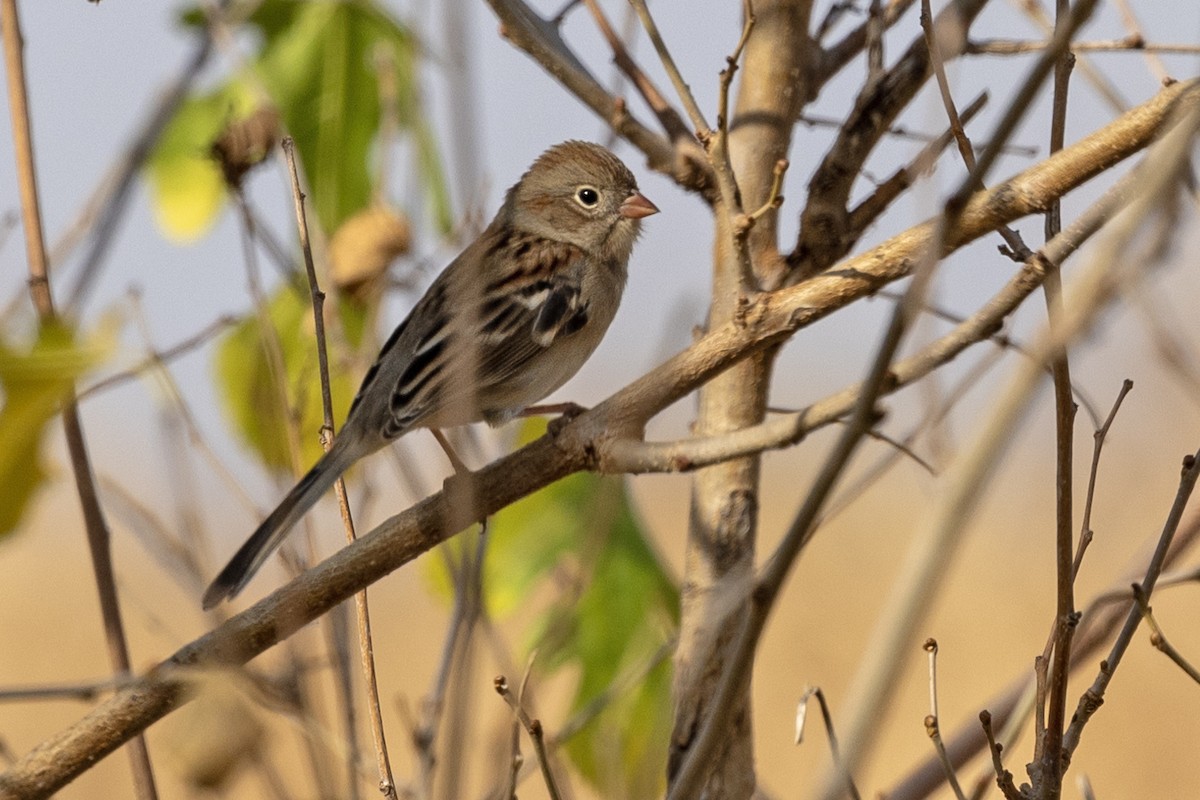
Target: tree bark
x,y
719,562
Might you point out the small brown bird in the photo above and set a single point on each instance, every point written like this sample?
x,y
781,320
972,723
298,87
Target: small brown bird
x,y
505,324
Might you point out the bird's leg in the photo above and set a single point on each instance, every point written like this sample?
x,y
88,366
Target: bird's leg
x,y
565,411
458,488
460,469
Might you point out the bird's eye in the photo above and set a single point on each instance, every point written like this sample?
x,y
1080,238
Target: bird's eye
x,y
587,196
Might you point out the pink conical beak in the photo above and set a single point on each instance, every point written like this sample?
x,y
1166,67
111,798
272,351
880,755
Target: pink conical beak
x,y
637,206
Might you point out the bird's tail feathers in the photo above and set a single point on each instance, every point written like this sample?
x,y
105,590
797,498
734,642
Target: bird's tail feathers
x,y
271,533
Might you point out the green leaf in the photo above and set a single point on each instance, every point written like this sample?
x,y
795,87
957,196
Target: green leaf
x,y
251,391
188,188
612,617
318,63
34,383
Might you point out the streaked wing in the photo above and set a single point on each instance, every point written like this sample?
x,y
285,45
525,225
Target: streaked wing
x,y
522,314
512,320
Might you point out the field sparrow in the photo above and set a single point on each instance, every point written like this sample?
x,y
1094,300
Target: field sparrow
x,y
508,322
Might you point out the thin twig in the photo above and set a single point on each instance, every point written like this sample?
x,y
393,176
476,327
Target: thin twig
x,y
159,358
699,124
1138,40
1004,341
1132,43
1017,109
272,352
533,727
1091,699
1100,82
98,534
86,692
932,728
1017,247
387,783
1159,639
1085,531
902,132
338,629
774,198
830,733
841,53
1004,778
872,207
667,115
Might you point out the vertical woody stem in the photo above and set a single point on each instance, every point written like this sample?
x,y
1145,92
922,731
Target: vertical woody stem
x,y
98,536
719,569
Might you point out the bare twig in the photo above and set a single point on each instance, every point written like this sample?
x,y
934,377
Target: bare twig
x,y
159,358
699,124
841,53
1004,778
1159,639
1016,110
1017,248
903,132
870,208
1138,40
87,692
932,728
533,727
1007,47
98,534
1085,532
387,783
830,734
1094,696
668,117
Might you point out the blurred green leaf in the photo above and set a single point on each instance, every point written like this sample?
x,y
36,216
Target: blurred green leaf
x,y
187,184
251,394
319,63
34,383
615,608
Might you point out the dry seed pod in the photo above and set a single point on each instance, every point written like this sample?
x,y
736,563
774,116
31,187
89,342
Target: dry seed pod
x,y
246,142
364,246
